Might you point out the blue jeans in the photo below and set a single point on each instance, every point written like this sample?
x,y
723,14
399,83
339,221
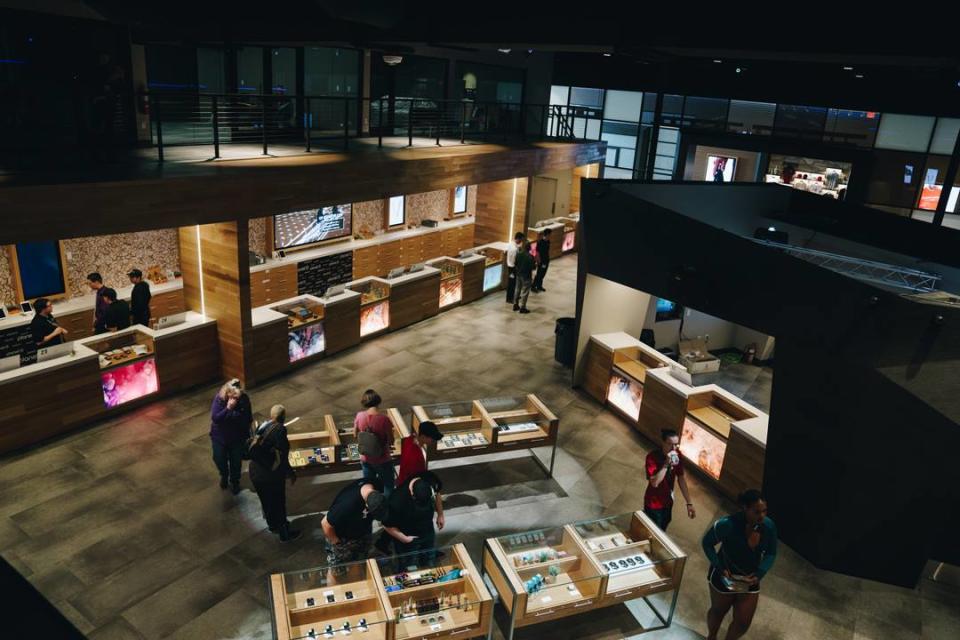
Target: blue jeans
x,y
382,471
229,459
426,547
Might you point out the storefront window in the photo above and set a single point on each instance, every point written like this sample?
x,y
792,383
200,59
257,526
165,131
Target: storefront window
x,y
250,69
621,139
559,95
672,111
799,121
623,105
705,113
851,127
905,133
583,97
895,179
822,177
945,136
754,118
488,83
211,71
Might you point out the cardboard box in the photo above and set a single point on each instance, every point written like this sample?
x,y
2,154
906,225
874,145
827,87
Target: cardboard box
x,y
695,357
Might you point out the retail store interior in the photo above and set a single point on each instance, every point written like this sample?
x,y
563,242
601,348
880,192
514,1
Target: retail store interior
x,y
319,324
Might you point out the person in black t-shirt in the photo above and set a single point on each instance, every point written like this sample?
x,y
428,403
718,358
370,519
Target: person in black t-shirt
x,y
410,517
269,470
139,298
543,259
348,524
118,313
46,332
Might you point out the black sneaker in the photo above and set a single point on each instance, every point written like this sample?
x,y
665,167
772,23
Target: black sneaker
x,y
524,310
223,483
516,307
289,535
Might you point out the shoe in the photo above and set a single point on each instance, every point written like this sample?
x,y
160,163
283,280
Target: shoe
x,y
235,488
542,289
223,483
289,535
516,307
524,310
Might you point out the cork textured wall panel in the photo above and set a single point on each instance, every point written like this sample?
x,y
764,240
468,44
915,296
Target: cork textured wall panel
x,y
258,235
368,216
7,290
432,205
114,255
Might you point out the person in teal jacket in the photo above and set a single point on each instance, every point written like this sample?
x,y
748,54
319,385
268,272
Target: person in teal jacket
x,y
747,549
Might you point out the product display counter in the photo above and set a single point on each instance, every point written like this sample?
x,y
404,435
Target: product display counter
x,y
374,305
451,281
571,233
616,369
563,571
329,445
494,266
433,594
414,296
557,226
491,425
99,374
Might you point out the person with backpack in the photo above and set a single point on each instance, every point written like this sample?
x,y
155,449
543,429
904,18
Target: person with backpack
x,y
348,524
748,549
268,451
524,271
409,518
375,441
231,418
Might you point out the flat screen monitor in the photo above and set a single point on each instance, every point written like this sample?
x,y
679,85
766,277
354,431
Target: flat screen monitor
x,y
41,269
301,228
720,169
460,199
335,290
3,311
667,310
26,307
394,273
172,320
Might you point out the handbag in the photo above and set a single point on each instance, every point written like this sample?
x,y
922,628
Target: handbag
x,y
258,451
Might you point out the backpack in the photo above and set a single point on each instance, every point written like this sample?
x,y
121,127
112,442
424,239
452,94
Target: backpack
x,y
259,451
369,444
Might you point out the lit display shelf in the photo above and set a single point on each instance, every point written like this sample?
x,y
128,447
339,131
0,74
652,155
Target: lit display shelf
x,y
564,571
491,425
433,594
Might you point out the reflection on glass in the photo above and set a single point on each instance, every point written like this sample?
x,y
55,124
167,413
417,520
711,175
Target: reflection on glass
x,y
625,394
569,239
451,291
492,276
375,317
702,447
129,382
305,342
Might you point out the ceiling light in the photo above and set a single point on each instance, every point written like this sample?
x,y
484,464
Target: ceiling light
x,y
718,61
771,229
859,75
607,55
738,69
848,68
504,50
392,60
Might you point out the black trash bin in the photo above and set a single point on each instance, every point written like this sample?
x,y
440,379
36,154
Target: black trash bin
x,y
565,348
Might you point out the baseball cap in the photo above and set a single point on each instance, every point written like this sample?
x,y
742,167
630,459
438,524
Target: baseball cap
x,y
135,273
377,505
422,493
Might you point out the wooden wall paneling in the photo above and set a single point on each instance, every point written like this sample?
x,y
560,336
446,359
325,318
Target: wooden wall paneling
x,y
190,267
495,202
473,281
742,465
365,262
389,256
35,408
597,376
413,301
269,353
661,408
188,359
341,325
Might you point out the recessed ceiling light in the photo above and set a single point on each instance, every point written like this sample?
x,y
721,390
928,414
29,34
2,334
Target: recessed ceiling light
x,y
738,69
859,75
606,55
504,50
848,68
718,61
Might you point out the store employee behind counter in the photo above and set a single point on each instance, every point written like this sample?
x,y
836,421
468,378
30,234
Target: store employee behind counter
x,y
139,298
46,332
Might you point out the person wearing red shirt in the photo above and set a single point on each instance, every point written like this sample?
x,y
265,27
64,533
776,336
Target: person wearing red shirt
x,y
663,468
370,419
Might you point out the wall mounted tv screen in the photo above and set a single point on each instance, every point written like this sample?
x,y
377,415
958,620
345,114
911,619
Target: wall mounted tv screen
x,y
720,169
667,310
300,228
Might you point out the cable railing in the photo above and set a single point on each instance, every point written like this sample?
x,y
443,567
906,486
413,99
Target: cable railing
x,y
331,122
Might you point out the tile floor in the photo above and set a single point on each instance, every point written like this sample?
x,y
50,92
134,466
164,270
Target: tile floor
x,y
123,527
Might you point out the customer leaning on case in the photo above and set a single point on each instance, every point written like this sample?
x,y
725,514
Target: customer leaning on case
x,y
231,418
748,548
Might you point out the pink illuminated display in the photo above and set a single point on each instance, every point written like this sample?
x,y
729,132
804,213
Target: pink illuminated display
x,y
305,342
451,291
702,447
625,394
129,382
375,317
569,239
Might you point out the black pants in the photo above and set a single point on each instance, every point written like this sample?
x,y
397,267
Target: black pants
x,y
511,283
273,500
660,517
229,459
541,273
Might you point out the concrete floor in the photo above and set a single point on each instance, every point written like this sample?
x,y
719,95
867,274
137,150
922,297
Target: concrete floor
x,y
123,526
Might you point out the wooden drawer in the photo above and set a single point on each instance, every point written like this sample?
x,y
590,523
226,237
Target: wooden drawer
x,y
560,611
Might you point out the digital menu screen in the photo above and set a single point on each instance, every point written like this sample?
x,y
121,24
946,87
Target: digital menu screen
x,y
306,341
308,227
492,276
129,382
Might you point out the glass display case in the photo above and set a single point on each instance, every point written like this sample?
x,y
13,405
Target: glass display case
x,y
348,448
435,593
492,276
374,306
328,602
625,394
304,328
463,425
128,368
703,447
451,280
313,443
519,419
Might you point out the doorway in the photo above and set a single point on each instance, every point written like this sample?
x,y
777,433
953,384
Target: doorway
x,y
543,199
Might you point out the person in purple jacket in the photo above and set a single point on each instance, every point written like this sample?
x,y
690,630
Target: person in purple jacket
x,y
231,418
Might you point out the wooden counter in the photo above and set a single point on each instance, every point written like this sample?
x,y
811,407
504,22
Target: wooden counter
x,y
413,299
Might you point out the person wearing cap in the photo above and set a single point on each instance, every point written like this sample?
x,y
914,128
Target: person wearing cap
x,y
413,458
270,467
44,328
348,524
139,298
410,516
118,313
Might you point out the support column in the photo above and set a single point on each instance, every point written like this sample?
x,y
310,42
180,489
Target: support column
x,y
216,282
501,210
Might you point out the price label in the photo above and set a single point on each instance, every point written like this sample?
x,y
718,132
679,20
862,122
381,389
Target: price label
x,y
546,599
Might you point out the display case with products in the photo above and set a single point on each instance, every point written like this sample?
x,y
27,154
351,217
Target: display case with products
x,y
305,335
571,233
451,280
466,431
329,445
374,305
627,375
328,602
706,430
435,594
564,571
493,267
128,368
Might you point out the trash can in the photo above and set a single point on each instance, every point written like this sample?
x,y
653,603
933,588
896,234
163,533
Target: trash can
x,y
565,348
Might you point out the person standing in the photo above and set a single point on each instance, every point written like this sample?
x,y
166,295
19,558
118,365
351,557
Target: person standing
x,y
139,298
663,468
100,306
748,549
118,311
348,524
44,328
511,265
410,516
413,450
269,470
375,438
543,259
231,417
524,270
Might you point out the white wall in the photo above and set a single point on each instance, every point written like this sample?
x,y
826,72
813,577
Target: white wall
x,y
608,307
564,185
723,334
